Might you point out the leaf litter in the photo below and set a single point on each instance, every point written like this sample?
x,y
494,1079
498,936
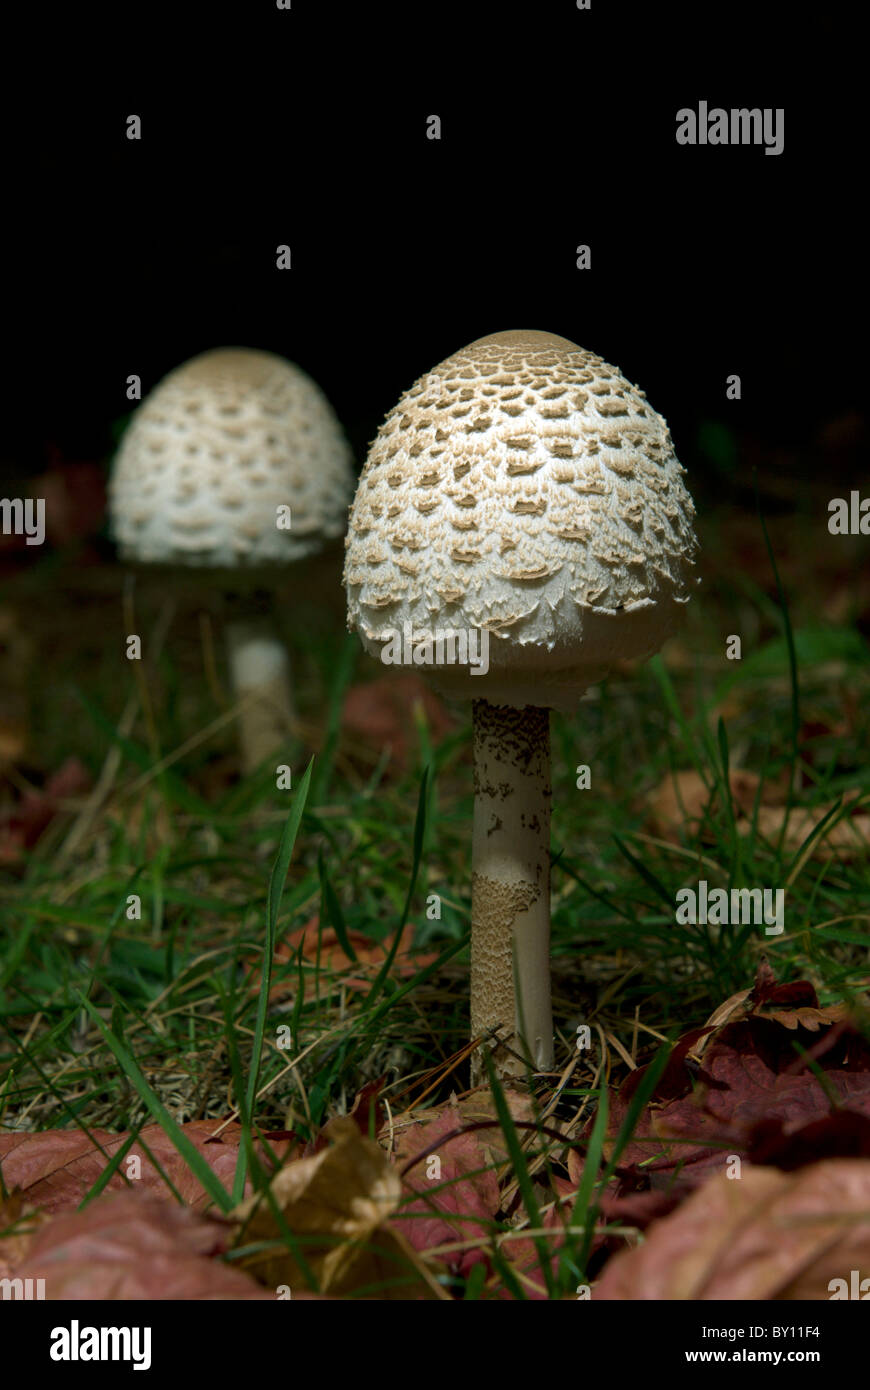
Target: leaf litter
x,y
363,1211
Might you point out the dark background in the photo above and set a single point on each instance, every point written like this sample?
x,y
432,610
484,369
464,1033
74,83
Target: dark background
x,y
308,127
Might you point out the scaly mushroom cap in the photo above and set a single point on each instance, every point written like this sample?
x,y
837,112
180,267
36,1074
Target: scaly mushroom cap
x,y
213,452
526,488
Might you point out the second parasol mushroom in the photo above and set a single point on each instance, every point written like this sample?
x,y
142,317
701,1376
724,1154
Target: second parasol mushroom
x,y
235,465
522,500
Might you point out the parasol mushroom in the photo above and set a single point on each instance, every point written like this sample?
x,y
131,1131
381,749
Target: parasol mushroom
x,y
523,493
235,465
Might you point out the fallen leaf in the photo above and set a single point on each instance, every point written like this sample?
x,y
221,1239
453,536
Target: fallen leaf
x,y
793,1005
133,1245
844,838
749,1073
842,1134
765,1235
521,1251
681,802
471,1108
337,1204
323,944
18,1222
56,1169
456,1187
461,1206
366,1112
725,1084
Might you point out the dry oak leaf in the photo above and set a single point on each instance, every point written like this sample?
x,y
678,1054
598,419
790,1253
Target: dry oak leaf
x,y
337,1205
133,1245
765,1235
57,1168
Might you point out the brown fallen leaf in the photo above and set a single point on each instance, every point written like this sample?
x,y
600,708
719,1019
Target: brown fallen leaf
x,y
793,1005
367,1113
337,1204
133,1245
621,1204
468,1109
456,1187
55,1169
370,956
479,1104
19,1220
682,800
459,1207
765,1235
724,1085
842,1134
523,1255
844,838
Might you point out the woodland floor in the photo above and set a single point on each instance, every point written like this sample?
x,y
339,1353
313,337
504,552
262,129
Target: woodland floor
x,y
121,778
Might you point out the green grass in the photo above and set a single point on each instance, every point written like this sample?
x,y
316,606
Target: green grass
x,y
112,1020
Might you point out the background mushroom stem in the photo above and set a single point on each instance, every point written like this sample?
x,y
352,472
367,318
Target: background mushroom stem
x,y
510,892
260,675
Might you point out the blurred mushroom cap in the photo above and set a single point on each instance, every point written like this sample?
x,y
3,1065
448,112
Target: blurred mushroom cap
x,y
212,454
523,488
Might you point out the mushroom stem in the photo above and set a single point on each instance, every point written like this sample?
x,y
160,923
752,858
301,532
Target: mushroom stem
x,y
510,886
260,675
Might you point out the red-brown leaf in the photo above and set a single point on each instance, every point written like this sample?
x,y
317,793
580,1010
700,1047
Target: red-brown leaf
x,y
457,1206
765,1235
134,1245
55,1169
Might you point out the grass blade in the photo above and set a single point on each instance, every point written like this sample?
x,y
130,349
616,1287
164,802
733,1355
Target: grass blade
x,y
419,832
189,1152
331,910
521,1170
276,888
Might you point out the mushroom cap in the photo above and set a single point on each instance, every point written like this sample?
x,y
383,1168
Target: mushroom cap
x,y
524,488
210,455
